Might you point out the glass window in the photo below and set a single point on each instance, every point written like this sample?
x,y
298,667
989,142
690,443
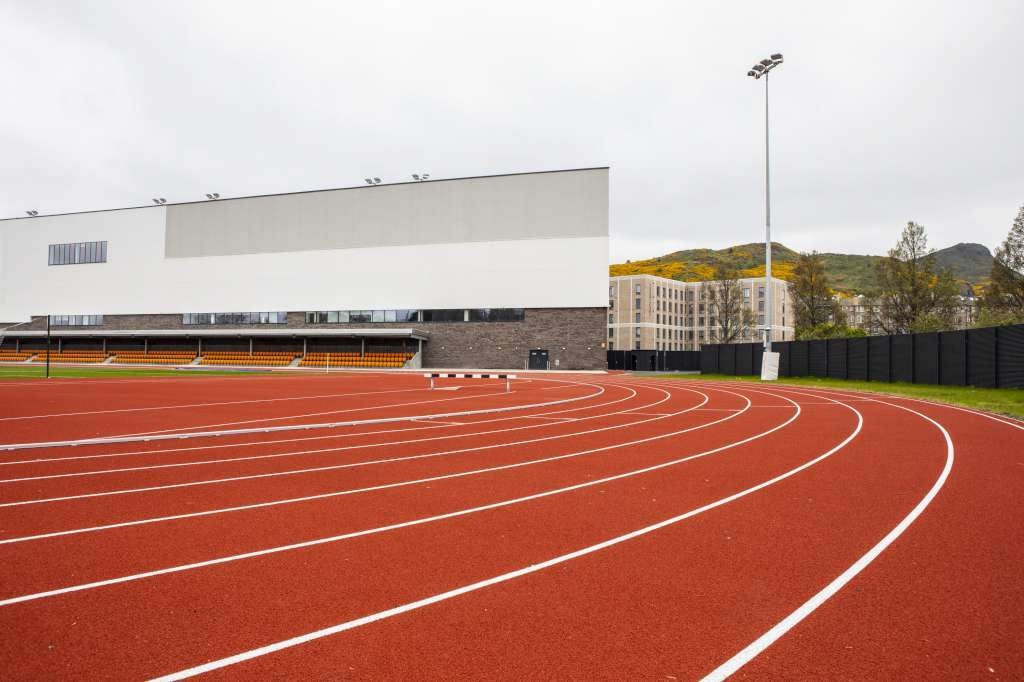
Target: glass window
x,y
77,252
377,316
390,315
343,317
332,317
637,316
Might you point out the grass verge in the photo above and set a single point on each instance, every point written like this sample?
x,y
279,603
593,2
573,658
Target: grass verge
x,y
1008,401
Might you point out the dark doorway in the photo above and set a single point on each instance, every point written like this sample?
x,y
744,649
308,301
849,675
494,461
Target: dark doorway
x,y
654,362
632,361
538,359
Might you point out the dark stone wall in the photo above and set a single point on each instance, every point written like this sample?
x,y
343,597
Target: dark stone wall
x,y
573,337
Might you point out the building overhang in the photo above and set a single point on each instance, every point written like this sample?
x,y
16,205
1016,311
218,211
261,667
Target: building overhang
x,y
349,332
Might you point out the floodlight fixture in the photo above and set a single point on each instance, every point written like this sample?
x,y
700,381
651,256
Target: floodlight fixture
x,y
777,58
376,181
368,181
426,176
160,201
213,196
32,214
415,176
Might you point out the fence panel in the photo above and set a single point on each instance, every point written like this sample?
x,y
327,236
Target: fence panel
x,y
926,358
857,359
783,349
981,357
1010,356
798,359
879,358
757,350
817,358
953,358
837,368
902,358
727,358
709,359
744,359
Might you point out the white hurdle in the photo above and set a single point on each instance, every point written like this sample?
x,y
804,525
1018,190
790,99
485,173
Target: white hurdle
x,y
443,375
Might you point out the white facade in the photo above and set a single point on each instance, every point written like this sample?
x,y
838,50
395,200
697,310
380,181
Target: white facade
x,y
428,246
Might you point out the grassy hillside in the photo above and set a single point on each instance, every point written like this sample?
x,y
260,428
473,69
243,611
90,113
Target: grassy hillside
x,y
848,272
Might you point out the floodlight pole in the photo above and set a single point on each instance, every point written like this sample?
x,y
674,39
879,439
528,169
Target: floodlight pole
x,y
767,228
759,70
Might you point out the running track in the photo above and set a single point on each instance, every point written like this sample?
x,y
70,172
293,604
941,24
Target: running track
x,y
581,526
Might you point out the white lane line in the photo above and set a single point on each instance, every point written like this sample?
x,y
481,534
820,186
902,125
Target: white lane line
x,y
415,421
753,649
504,577
212,404
222,510
276,441
294,453
291,427
336,466
415,522
557,419
267,420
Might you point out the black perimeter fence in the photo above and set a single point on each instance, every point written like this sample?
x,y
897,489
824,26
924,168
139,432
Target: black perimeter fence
x,y
991,357
654,360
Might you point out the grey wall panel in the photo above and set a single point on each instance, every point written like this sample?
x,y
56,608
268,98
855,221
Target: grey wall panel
x,y
562,204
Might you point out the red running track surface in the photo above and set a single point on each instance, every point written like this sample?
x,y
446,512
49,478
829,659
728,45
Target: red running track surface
x,y
580,526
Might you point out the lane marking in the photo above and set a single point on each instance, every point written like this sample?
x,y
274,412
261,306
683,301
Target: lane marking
x,y
322,468
753,649
533,568
292,427
276,441
415,522
266,420
561,419
213,404
340,466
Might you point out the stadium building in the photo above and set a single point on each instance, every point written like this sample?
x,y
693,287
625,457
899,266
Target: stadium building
x,y
504,271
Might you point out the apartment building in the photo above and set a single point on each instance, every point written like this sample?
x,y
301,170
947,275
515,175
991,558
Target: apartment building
x,y
654,313
862,313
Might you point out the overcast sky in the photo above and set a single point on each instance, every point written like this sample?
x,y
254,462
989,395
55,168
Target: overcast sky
x,y
883,112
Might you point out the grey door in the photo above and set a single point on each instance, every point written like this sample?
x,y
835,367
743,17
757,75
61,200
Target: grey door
x,y
538,359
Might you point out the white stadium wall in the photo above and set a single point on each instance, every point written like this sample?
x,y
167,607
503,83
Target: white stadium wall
x,y
535,240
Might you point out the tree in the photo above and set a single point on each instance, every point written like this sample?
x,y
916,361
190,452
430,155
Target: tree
x,y
829,330
913,294
730,316
1004,295
814,301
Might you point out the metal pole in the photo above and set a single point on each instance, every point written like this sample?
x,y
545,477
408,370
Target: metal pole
x,y
47,346
767,228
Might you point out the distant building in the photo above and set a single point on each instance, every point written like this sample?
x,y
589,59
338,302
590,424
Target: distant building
x,y
656,313
862,313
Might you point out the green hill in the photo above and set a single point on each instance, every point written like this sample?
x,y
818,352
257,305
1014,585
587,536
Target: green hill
x,y
849,273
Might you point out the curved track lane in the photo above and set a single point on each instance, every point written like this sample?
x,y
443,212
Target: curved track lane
x,y
648,529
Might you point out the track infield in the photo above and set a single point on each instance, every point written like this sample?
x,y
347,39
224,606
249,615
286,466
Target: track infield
x,y
358,525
